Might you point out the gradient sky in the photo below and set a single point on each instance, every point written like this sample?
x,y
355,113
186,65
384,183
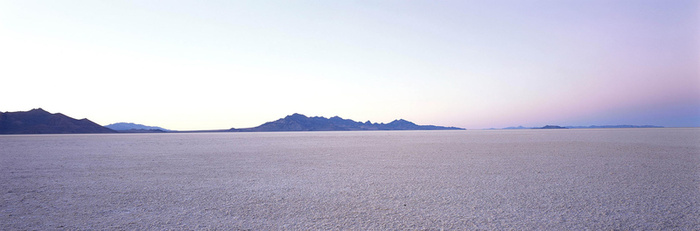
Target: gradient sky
x,y
189,65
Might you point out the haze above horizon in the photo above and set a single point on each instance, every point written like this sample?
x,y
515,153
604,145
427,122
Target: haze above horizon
x,y
187,65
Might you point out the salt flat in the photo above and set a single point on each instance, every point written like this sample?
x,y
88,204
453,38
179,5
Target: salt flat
x,y
504,179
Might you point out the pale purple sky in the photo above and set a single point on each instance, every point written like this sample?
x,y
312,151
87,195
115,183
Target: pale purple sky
x,y
476,64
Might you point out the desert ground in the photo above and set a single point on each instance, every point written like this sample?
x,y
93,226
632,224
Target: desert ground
x,y
574,179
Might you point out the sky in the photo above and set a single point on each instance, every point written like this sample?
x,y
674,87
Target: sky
x,y
194,65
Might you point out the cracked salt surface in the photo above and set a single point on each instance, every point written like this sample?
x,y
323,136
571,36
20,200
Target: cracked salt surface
x,y
523,179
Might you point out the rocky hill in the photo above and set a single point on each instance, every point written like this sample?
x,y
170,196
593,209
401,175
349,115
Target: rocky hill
x,y
38,121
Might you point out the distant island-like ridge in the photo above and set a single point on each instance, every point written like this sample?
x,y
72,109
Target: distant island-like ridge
x,y
39,121
552,127
299,122
135,128
580,127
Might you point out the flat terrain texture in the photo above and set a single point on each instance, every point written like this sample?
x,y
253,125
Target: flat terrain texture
x,y
573,179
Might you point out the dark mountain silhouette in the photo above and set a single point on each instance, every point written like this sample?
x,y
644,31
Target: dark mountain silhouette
x,y
135,128
38,121
299,122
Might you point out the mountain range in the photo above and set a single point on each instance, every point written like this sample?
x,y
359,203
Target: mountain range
x,y
299,122
38,121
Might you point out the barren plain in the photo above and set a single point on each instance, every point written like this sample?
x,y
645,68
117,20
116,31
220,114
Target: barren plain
x,y
574,179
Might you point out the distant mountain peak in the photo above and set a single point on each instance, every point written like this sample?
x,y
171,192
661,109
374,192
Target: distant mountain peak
x,y
299,122
39,110
296,115
403,121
